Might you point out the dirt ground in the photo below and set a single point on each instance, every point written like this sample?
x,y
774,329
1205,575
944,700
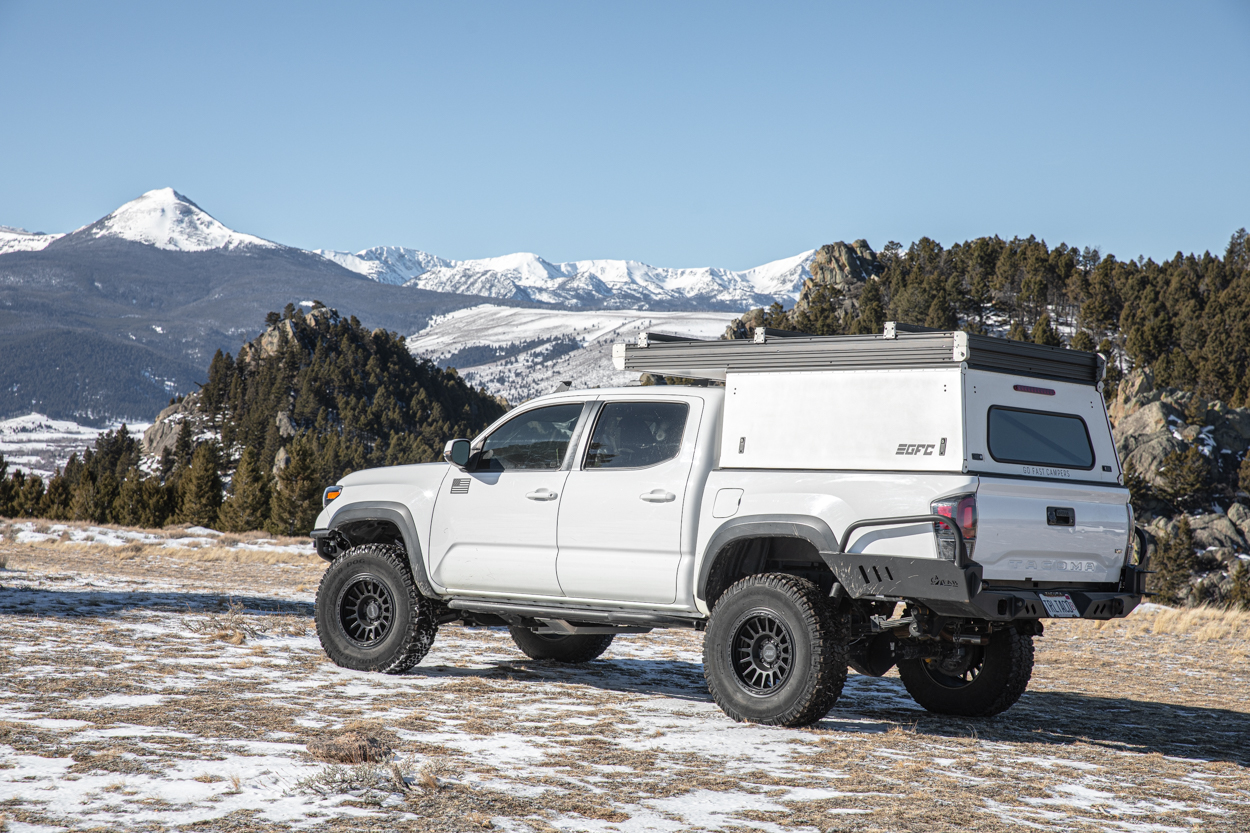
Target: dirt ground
x,y
162,689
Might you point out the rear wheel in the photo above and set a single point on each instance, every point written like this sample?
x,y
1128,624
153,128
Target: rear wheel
x,y
774,652
370,615
572,648
974,680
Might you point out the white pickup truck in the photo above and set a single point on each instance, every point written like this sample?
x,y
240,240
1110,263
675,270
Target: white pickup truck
x,y
918,499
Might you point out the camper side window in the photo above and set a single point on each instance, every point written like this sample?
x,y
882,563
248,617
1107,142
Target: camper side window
x,y
1039,438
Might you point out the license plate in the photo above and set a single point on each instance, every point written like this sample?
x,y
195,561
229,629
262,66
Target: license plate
x,y
1059,605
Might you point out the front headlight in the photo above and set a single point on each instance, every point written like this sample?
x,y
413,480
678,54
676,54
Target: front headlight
x,y
330,494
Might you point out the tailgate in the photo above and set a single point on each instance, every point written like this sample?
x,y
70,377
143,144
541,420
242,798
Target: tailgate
x,y
1045,531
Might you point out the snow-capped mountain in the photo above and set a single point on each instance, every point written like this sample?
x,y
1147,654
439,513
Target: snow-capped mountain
x,y
21,240
167,220
601,283
386,264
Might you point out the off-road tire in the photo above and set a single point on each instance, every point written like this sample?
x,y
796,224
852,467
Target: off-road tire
x,y
744,682
1006,666
406,624
570,648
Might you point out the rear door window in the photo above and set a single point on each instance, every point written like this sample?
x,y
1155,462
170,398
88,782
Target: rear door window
x,y
1039,438
633,435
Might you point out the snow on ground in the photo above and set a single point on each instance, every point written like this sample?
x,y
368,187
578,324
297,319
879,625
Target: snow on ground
x,y
39,445
192,537
154,694
523,353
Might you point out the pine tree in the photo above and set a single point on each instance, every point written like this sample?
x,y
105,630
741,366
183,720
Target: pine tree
x,y
247,507
871,319
1045,333
1174,563
296,500
8,491
1186,479
1239,595
200,487
183,445
82,506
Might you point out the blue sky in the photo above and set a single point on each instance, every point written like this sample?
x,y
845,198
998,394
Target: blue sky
x,y
680,134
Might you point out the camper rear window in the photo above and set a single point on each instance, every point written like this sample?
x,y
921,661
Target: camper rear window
x,y
1039,438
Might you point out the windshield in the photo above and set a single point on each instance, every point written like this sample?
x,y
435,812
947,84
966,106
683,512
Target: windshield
x,y
1039,438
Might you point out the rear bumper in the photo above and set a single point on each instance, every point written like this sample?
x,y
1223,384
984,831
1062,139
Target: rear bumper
x,y
949,590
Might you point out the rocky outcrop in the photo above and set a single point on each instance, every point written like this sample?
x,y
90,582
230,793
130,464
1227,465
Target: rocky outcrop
x,y
843,265
846,267
1150,423
163,433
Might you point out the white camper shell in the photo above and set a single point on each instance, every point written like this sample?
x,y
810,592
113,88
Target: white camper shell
x,y
855,430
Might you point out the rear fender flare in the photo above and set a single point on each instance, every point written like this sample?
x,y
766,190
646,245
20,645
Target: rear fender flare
x,y
808,528
398,514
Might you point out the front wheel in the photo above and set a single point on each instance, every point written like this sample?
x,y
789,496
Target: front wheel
x,y
972,680
571,648
774,652
370,614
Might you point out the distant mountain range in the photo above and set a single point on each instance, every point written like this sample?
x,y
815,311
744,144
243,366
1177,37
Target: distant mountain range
x,y
610,284
108,321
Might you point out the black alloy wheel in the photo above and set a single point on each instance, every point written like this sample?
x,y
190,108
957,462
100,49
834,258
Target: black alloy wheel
x,y
762,652
958,668
366,610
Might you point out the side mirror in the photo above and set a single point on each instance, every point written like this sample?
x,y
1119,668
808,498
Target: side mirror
x,y
456,452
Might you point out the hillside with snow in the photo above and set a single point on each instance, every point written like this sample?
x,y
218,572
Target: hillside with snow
x,y
38,445
522,353
21,240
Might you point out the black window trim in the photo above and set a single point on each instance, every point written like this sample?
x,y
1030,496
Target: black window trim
x,y
569,453
603,406
1085,427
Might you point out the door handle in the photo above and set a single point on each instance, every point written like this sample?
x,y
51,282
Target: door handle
x,y
658,496
542,494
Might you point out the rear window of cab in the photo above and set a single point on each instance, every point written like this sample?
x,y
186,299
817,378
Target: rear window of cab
x,y
1039,438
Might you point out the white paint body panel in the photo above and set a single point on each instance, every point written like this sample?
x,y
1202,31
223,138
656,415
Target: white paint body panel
x,y
1015,543
613,544
495,538
847,419
983,389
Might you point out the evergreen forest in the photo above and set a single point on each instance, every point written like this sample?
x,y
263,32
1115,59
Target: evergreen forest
x,y
314,397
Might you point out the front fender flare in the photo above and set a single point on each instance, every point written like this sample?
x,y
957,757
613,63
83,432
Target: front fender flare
x,y
811,529
401,516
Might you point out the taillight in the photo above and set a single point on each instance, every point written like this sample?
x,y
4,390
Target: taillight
x,y
963,510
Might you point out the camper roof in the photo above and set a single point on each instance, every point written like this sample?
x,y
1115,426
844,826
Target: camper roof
x,y
900,346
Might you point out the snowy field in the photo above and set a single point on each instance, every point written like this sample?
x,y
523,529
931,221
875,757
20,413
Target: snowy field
x,y
523,353
39,445
148,689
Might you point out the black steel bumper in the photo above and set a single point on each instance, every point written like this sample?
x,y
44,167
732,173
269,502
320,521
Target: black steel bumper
x,y
949,588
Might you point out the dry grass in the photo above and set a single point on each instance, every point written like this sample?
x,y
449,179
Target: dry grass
x,y
1147,715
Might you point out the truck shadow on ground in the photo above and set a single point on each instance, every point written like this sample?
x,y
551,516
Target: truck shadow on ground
x,y
80,602
871,705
